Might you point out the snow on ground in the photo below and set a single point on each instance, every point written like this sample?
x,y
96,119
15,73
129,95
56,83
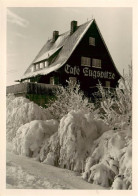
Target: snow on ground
x,y
26,173
80,143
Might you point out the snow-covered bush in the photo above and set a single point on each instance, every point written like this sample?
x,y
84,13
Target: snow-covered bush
x,y
20,111
100,149
77,131
118,107
68,98
101,175
49,153
30,137
110,156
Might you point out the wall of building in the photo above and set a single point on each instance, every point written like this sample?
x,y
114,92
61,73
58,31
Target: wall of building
x,y
89,76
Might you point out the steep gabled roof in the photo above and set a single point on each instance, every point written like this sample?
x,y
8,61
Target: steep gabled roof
x,y
66,42
64,47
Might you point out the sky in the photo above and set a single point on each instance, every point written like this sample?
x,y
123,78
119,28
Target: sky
x,y
29,28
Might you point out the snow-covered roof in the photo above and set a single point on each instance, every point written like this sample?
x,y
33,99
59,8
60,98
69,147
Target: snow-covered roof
x,y
65,44
47,54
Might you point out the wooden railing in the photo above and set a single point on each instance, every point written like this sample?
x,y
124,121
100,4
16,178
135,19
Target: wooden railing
x,y
30,88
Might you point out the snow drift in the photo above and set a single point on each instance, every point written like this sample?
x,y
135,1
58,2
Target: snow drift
x,y
20,111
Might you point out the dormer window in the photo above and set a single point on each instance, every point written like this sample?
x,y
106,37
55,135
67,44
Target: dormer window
x,y
46,63
33,68
85,61
91,41
37,66
41,65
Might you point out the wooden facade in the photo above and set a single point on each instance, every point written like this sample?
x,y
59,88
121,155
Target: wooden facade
x,y
80,55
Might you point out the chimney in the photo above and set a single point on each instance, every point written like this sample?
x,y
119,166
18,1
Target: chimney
x,y
73,26
55,35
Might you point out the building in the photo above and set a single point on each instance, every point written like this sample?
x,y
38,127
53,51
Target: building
x,y
80,55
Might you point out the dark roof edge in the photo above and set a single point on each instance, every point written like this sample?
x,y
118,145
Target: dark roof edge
x,y
107,49
91,21
35,58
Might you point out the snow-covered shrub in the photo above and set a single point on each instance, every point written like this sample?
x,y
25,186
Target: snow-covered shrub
x,y
101,175
77,131
118,108
30,137
49,153
120,183
20,111
69,98
110,154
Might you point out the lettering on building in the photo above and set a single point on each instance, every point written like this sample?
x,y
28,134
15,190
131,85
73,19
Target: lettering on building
x,y
87,72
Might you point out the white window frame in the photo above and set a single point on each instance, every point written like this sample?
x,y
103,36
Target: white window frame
x,y
97,63
91,41
85,61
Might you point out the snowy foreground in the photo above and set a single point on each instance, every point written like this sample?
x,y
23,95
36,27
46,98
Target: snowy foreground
x,y
87,153
26,173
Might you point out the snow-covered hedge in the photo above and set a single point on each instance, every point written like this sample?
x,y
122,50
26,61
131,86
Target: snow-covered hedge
x,y
30,137
110,157
20,111
50,151
117,106
77,131
79,142
67,99
87,145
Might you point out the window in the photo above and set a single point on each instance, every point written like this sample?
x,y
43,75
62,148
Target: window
x,y
96,63
33,68
107,84
37,66
85,61
73,80
52,80
92,41
46,63
41,65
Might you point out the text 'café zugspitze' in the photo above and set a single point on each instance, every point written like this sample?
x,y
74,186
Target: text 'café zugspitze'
x,y
79,55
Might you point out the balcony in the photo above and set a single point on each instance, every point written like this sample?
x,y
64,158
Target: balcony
x,y
30,88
